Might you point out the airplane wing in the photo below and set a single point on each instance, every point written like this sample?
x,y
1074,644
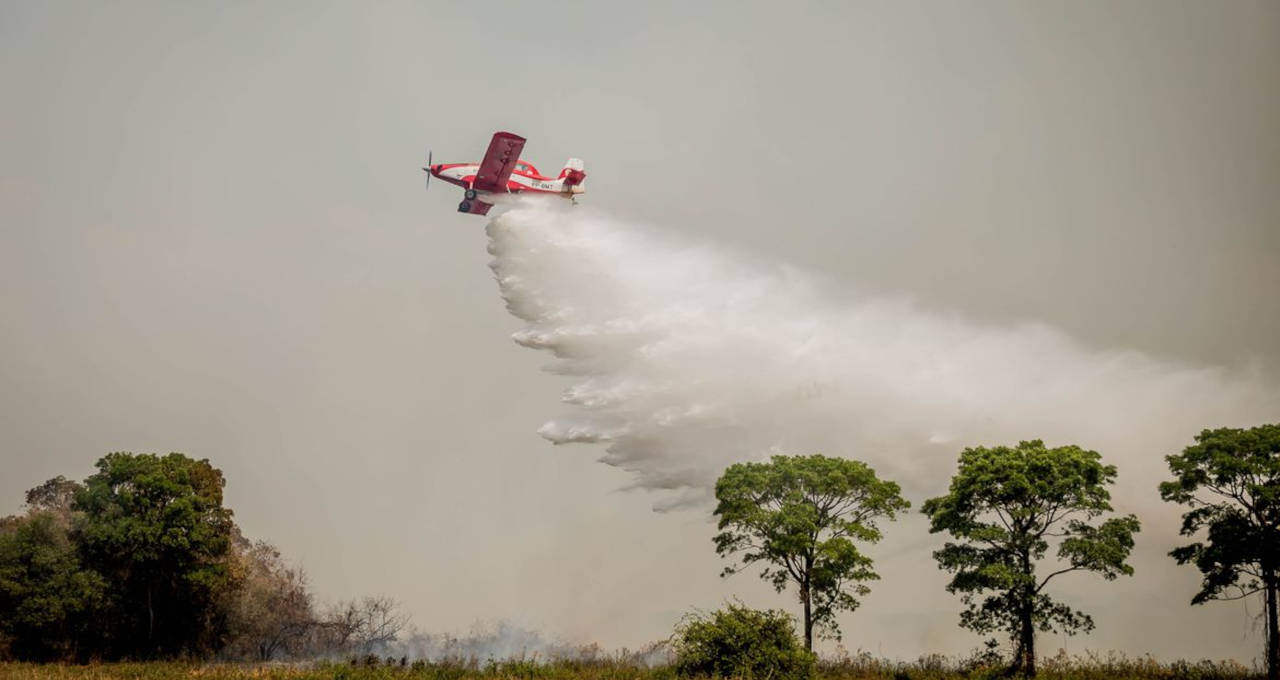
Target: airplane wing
x,y
499,161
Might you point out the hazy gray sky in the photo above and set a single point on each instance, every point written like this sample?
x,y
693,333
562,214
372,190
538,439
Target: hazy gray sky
x,y
214,239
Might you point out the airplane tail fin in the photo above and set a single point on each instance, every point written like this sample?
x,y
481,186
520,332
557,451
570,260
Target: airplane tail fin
x,y
574,174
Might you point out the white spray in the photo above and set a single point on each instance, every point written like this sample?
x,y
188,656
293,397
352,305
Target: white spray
x,y
684,358
687,358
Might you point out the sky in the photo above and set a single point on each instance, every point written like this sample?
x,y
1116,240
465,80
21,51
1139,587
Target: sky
x,y
214,239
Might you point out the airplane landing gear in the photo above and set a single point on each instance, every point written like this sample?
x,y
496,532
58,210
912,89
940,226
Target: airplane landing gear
x,y
470,194
465,206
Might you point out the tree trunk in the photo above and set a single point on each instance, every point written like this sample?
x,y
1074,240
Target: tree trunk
x,y
1273,631
151,619
1027,640
806,597
1026,628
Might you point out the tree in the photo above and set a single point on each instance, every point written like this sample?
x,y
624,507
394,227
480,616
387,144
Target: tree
x,y
271,611
737,642
55,495
800,515
1230,478
371,623
1004,506
155,528
365,626
47,598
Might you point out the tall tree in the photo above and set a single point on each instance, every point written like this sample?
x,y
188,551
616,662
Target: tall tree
x,y
801,516
1004,506
1230,478
154,526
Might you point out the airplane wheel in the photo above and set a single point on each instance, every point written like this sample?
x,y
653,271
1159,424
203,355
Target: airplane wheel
x,y
464,206
470,194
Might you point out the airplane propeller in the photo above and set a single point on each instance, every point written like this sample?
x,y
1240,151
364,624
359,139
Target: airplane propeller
x,y
427,185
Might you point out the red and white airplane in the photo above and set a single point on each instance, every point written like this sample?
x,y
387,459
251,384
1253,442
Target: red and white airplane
x,y
502,172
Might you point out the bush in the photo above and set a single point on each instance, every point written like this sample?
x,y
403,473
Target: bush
x,y
738,642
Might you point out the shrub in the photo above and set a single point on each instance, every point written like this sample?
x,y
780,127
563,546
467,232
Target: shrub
x,y
738,642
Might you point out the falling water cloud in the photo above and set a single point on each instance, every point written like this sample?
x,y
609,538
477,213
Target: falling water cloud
x,y
684,357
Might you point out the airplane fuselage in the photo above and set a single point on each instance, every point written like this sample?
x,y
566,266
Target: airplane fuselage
x,y
525,178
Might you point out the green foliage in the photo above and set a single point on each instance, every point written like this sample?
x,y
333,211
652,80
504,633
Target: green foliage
x,y
142,561
800,516
46,596
155,528
1230,479
737,642
1004,506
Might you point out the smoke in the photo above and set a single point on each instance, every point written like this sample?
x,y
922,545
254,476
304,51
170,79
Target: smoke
x,y
500,641
505,640
683,358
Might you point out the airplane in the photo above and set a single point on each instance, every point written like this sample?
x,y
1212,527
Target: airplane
x,y
503,172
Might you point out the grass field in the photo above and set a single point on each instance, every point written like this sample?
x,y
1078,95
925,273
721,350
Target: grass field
x,y
852,668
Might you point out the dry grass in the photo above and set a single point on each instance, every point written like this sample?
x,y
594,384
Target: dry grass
x,y
860,667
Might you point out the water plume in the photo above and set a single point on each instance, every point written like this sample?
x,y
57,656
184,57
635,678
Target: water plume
x,y
684,357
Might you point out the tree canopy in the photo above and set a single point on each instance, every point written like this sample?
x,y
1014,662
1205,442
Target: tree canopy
x,y
143,561
800,516
1230,479
1004,506
155,527
46,594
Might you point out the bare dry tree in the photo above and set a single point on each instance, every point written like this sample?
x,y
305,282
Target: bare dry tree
x,y
362,626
